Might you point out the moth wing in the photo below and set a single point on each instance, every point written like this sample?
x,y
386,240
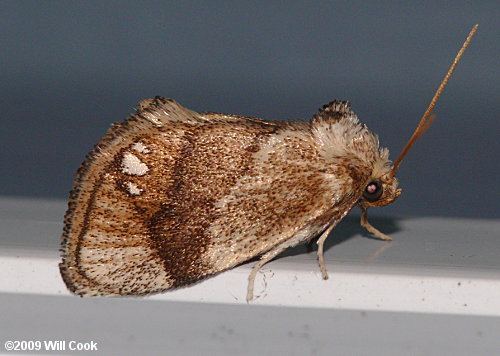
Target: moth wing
x,y
285,199
106,249
171,196
231,118
295,187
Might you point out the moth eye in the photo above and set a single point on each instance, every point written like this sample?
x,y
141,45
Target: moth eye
x,y
373,191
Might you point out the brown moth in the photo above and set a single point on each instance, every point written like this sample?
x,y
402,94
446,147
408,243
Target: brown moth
x,y
171,196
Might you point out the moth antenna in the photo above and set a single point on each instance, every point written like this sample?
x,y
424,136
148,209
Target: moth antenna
x,y
427,118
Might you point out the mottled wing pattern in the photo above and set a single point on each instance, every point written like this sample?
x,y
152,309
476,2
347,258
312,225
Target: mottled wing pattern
x,y
170,196
106,245
288,194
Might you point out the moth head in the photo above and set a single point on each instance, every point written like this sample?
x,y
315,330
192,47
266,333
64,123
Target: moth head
x,y
380,191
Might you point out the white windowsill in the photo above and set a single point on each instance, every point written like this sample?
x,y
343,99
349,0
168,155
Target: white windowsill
x,y
434,265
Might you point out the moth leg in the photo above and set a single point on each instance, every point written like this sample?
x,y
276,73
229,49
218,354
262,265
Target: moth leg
x,y
370,228
321,259
263,260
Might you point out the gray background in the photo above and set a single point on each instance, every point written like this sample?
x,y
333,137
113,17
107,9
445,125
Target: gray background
x,y
69,69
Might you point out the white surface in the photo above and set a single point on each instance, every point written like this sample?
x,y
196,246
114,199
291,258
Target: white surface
x,y
437,285
293,284
433,265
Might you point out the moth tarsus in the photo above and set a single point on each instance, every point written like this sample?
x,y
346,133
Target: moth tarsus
x,y
170,196
369,227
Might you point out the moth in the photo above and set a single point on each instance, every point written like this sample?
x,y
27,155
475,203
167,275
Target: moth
x,y
171,196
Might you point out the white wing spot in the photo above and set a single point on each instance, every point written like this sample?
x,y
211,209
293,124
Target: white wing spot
x,y
140,147
131,164
133,189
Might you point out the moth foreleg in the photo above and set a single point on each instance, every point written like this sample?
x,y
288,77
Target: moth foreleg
x,y
371,228
263,260
321,259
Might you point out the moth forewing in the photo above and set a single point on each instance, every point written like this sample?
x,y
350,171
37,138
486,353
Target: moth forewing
x,y
161,203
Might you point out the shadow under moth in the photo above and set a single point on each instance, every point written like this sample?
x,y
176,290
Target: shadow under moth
x,y
170,196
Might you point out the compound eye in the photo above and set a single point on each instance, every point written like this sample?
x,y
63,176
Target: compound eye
x,y
373,191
